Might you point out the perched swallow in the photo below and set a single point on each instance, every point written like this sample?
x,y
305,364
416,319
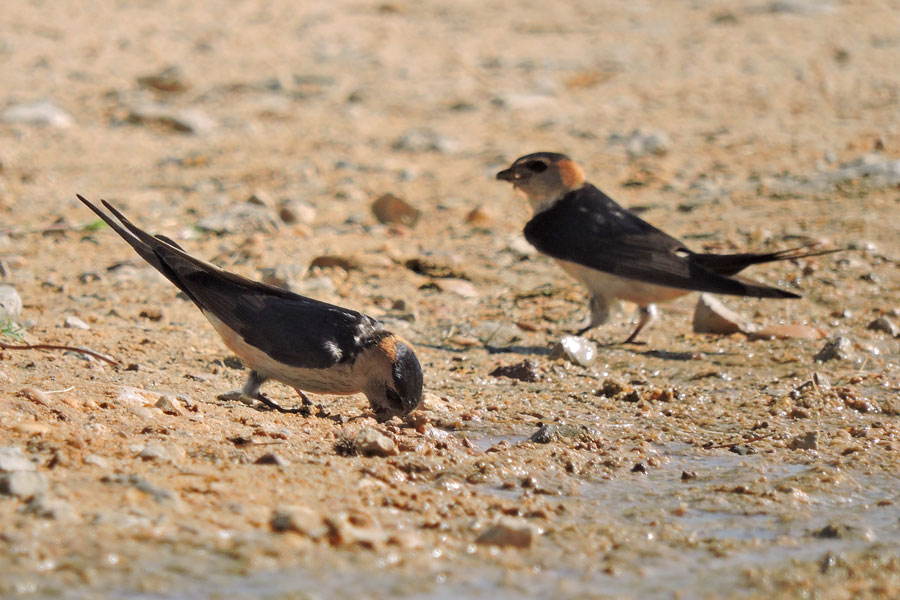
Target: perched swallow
x,y
304,343
616,254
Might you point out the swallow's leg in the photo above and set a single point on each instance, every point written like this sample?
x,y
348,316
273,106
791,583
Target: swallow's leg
x,y
251,392
303,397
599,313
647,314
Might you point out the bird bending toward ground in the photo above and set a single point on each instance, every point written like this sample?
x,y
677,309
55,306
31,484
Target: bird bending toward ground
x,y
307,344
617,255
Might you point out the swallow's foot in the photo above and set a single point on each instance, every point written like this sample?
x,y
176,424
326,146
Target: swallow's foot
x,y
301,410
240,396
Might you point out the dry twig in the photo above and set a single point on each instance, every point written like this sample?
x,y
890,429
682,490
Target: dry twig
x,y
97,355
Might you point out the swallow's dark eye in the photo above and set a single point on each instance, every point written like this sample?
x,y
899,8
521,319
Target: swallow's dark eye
x,y
536,166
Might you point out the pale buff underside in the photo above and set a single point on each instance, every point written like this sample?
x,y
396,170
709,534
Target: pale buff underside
x,y
612,287
334,380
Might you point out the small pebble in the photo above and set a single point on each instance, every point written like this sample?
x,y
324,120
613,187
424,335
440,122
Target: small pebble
x,y
96,460
390,209
13,459
297,211
158,452
32,428
169,80
357,529
575,349
298,519
479,217
272,458
35,395
74,322
805,441
330,261
524,371
711,316
41,112
509,532
261,198
839,348
460,287
371,442
885,325
169,405
10,303
181,120
23,484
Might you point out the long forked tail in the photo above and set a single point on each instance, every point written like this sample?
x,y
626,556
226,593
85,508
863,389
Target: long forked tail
x,y
142,242
730,264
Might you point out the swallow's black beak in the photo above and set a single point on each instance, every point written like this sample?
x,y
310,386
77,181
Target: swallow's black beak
x,y
510,175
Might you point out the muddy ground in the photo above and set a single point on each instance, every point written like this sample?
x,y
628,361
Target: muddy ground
x,y
693,466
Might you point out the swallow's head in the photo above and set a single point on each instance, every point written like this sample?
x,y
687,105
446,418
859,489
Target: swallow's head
x,y
543,177
393,376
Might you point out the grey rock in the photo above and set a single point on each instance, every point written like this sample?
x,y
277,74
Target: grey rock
x,y
13,459
885,325
73,322
10,303
575,349
23,484
372,442
839,348
40,112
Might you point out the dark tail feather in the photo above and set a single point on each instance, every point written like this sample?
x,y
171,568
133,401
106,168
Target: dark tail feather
x,y
729,264
142,242
755,289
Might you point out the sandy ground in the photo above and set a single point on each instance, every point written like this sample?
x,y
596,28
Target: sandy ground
x,y
692,466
